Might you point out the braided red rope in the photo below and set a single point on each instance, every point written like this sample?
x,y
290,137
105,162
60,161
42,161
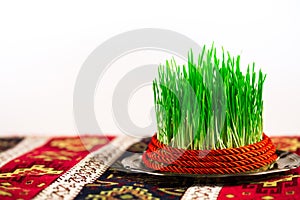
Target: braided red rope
x,y
164,158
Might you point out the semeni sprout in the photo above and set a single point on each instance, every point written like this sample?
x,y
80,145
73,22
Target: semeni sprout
x,y
208,104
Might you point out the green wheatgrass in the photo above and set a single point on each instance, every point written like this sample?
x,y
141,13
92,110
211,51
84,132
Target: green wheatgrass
x,y
208,104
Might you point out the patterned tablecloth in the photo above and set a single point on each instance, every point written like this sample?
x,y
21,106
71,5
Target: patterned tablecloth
x,y
79,168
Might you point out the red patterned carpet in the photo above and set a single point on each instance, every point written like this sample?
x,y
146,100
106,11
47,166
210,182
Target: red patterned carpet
x,y
79,168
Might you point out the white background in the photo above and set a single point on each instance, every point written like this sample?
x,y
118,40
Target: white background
x,y
44,43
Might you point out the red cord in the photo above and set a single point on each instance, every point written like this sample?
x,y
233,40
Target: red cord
x,y
164,158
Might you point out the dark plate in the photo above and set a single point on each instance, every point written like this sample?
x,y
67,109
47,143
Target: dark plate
x,y
134,164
